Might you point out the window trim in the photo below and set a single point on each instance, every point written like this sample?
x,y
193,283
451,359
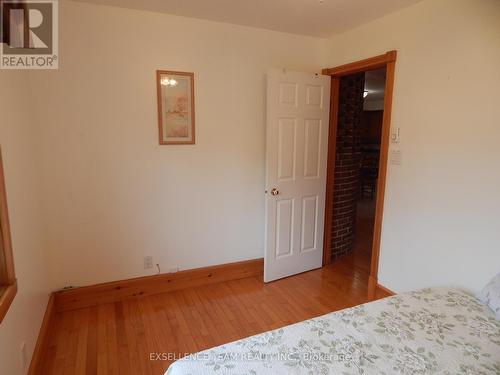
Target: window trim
x,y
8,286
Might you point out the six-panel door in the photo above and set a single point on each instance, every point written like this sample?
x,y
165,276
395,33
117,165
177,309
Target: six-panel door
x,y
297,138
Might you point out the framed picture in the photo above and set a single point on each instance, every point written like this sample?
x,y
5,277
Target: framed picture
x,y
175,107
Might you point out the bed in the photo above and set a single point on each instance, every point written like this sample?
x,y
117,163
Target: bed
x,y
429,331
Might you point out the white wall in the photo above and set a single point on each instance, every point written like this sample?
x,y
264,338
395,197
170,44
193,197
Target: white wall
x,y
441,222
19,150
112,194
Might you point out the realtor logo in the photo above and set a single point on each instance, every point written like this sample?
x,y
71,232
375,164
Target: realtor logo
x,y
29,34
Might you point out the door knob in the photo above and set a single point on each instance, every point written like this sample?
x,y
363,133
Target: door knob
x,y
275,192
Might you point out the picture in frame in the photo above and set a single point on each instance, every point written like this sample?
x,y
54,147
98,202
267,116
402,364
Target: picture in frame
x,y
175,107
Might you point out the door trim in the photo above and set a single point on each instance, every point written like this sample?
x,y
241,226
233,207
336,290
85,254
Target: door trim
x,y
387,60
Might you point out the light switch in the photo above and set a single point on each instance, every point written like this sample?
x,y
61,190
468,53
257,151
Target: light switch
x,y
395,135
396,157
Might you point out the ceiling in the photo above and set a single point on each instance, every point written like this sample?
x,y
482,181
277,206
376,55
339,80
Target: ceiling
x,y
320,18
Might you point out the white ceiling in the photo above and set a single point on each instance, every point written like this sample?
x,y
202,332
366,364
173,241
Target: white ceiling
x,y
320,18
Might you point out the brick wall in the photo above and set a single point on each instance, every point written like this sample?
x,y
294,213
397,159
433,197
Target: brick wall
x,y
347,163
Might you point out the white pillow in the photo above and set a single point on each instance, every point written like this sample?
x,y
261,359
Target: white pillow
x,y
490,295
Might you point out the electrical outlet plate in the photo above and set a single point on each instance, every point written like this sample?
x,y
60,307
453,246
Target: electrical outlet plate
x,y
148,262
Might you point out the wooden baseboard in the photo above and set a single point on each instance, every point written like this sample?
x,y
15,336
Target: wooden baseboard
x,y
377,291
43,338
143,286
382,292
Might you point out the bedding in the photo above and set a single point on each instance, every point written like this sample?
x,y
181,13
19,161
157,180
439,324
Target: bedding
x,y
429,331
490,295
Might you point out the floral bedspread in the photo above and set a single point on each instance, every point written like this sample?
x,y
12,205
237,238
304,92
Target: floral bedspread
x,y
429,331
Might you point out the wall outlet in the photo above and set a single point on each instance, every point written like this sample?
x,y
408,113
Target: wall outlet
x,y
23,355
148,262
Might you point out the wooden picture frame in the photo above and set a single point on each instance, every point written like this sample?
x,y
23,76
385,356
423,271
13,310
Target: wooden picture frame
x,y
176,114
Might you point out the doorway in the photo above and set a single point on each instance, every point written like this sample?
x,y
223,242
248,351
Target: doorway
x,y
361,100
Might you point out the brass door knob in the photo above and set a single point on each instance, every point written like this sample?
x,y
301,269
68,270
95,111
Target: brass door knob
x,y
274,192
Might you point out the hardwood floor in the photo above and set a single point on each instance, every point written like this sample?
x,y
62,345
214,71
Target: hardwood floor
x,y
123,337
360,257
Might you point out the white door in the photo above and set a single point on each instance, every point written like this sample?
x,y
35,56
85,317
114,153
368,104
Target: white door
x,y
298,108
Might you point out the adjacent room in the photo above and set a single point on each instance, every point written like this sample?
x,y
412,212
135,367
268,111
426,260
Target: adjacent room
x,y
264,187
357,140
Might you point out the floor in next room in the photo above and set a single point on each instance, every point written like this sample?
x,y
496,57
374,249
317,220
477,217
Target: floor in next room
x,y
360,257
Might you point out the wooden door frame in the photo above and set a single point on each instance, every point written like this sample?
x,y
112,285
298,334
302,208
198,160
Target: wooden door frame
x,y
387,60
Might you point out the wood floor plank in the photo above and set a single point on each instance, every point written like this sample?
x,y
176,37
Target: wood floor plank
x,y
83,327
123,337
134,328
100,341
111,339
69,366
124,355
